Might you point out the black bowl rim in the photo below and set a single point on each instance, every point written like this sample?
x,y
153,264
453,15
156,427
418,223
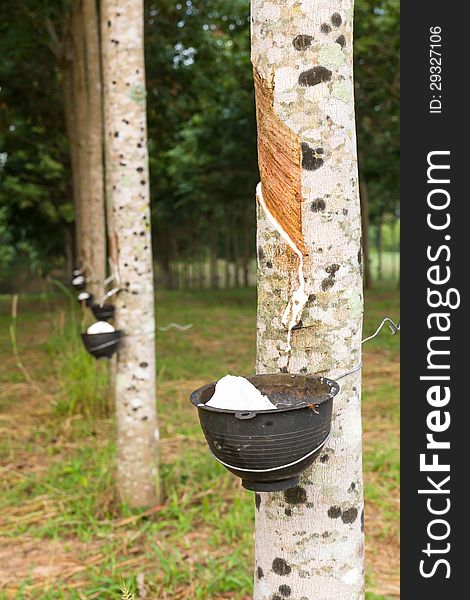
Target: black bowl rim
x,y
332,385
90,336
97,305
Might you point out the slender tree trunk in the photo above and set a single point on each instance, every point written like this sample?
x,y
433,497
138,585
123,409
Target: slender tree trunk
x,y
126,138
94,149
185,274
309,539
69,100
69,249
395,263
191,274
214,272
70,123
80,102
378,248
246,251
106,85
227,251
365,232
175,276
236,254
106,91
200,274
165,266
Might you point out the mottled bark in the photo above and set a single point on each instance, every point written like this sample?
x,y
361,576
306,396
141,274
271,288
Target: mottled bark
x,y
96,234
127,164
309,539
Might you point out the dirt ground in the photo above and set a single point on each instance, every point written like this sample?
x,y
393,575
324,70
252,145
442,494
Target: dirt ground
x,y
31,564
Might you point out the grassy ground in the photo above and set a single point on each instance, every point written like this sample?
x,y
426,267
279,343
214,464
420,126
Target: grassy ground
x,y
62,531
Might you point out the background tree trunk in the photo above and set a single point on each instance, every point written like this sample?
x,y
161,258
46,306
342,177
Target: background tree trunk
x,y
246,250
214,270
227,232
236,254
201,282
378,247
309,539
80,137
365,233
70,123
126,137
395,249
94,149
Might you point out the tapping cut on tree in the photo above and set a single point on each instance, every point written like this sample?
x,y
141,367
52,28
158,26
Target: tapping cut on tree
x,y
279,159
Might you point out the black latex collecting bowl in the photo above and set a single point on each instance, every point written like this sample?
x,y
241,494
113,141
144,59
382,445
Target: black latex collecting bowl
x,y
269,449
103,313
79,283
102,345
87,298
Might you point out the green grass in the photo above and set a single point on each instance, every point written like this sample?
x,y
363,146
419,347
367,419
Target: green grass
x,y
200,542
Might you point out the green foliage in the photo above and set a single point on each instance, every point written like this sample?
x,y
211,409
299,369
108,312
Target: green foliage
x,y
83,380
35,195
201,123
377,92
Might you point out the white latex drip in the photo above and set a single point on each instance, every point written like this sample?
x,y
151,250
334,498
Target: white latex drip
x,y
237,393
299,298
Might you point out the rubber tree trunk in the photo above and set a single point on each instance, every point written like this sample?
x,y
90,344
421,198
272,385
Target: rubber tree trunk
x,y
94,150
214,267
395,249
126,138
236,253
226,233
79,137
364,194
201,284
309,539
81,98
67,68
378,248
246,250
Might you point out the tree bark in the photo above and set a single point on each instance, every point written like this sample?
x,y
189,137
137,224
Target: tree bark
x,y
226,232
378,248
201,282
214,270
70,123
80,101
365,233
126,138
395,259
106,90
94,150
246,250
236,254
309,539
